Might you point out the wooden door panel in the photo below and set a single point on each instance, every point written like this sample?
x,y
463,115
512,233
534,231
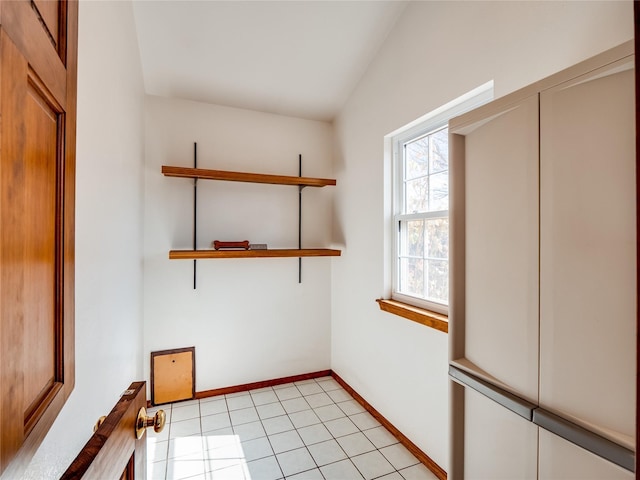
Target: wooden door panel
x,y
41,334
25,28
49,12
12,178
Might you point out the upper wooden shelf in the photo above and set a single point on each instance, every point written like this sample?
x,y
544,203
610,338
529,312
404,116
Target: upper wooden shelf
x,y
245,177
285,252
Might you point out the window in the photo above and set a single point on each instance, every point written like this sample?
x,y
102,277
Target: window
x,y
421,205
422,219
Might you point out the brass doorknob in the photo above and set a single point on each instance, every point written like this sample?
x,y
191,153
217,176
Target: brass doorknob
x,y
142,422
98,423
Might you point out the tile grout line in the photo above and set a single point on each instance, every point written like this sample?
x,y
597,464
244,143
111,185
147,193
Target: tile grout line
x,y
288,415
296,430
275,455
335,439
317,467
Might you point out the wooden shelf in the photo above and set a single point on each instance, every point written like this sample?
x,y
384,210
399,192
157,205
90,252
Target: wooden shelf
x,y
288,252
246,177
224,175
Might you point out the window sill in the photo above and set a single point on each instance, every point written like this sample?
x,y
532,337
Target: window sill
x,y
420,315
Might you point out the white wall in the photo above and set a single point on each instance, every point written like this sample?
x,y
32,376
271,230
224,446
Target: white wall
x,y
109,185
249,319
436,52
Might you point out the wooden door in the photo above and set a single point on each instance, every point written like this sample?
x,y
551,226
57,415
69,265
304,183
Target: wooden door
x,y
38,57
114,451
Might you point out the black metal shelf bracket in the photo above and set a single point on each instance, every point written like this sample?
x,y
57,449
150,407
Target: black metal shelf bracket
x,y
195,215
300,187
195,209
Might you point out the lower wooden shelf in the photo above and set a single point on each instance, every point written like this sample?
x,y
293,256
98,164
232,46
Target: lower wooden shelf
x,y
288,252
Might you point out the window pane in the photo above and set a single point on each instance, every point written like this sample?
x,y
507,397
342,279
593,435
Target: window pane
x,y
437,245
439,151
438,281
416,158
416,195
412,276
412,238
439,192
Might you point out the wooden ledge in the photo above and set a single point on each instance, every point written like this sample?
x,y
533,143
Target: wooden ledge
x,y
270,253
206,174
420,315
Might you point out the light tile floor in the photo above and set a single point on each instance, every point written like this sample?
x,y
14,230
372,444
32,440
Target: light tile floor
x,y
304,430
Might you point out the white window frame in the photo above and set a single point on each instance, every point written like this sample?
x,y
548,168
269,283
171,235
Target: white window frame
x,y
425,125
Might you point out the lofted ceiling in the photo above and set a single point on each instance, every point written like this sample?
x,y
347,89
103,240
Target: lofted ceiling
x,y
297,58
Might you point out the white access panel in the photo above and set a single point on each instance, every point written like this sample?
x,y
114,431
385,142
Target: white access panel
x,y
501,267
498,444
562,460
588,251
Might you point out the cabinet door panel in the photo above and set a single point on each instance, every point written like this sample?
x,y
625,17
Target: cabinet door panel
x,y
587,251
498,444
501,268
562,460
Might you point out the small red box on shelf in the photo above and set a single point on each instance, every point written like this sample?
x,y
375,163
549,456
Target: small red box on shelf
x,y
243,245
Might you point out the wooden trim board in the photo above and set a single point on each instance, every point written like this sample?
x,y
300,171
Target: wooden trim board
x,y
263,384
436,469
424,317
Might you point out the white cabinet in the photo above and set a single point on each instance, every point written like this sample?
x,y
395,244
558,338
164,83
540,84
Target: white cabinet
x,y
508,450
543,249
513,448
562,460
501,214
588,250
